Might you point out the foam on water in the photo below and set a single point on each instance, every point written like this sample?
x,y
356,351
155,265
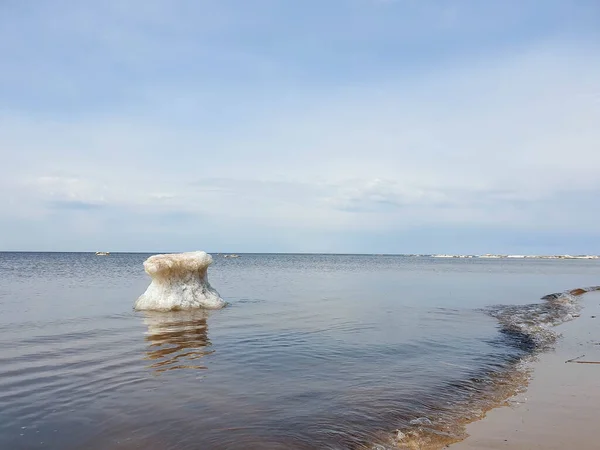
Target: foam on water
x,y
532,325
179,281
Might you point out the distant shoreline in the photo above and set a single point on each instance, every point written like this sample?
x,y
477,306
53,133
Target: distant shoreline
x,y
493,256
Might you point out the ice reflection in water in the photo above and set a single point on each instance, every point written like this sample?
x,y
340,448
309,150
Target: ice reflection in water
x,y
177,340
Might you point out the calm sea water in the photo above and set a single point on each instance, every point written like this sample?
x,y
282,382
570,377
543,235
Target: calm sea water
x,y
314,351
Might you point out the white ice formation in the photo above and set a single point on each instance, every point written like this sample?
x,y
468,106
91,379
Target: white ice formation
x,y
179,281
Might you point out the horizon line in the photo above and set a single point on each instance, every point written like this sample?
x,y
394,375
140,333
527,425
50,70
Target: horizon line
x,y
442,255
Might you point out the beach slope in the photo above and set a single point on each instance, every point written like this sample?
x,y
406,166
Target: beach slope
x,y
561,406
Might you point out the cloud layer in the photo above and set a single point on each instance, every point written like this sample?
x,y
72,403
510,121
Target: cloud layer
x,y
368,127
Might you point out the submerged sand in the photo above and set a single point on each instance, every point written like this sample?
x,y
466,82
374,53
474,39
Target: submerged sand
x,y
561,406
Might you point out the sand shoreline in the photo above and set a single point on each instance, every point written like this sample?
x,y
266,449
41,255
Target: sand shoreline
x,y
560,407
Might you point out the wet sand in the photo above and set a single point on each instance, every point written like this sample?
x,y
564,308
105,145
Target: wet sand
x,y
561,407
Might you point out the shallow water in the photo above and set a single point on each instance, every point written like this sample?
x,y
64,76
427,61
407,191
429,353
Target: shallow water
x,y
314,351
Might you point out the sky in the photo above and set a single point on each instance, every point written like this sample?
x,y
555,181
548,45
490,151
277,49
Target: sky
x,y
342,126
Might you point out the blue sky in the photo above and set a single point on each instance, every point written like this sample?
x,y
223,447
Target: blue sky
x,y
376,126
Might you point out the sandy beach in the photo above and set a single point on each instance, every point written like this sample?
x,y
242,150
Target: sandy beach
x,y
560,407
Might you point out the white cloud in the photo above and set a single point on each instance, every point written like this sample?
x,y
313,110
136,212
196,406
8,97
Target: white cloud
x,y
507,140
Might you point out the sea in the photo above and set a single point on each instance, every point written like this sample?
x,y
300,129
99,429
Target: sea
x,y
311,352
